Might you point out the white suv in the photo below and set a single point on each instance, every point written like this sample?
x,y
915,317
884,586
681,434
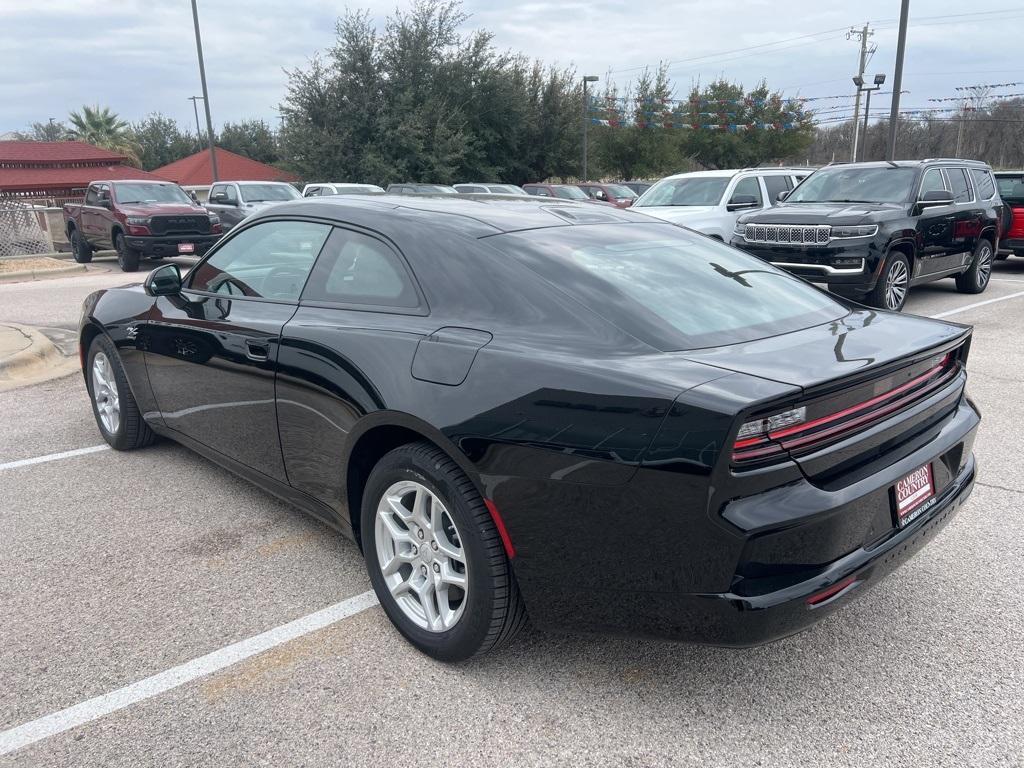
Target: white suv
x,y
710,201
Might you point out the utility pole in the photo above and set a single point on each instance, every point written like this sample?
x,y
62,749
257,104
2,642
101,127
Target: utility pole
x,y
199,132
863,34
206,94
897,80
586,121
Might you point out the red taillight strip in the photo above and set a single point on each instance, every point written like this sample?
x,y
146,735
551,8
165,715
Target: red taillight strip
x,y
775,442
860,406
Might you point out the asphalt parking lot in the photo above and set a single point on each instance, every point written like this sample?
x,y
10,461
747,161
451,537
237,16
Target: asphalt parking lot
x,y
118,567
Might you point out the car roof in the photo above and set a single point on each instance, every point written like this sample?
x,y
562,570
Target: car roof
x,y
728,173
476,216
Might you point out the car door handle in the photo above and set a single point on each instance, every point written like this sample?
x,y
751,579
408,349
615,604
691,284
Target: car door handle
x,y
256,350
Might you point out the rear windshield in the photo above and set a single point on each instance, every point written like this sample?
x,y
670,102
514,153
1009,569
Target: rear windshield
x,y
668,287
1011,187
263,193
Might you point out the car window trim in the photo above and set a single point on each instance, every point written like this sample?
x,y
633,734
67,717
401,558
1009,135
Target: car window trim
x,y
949,184
423,307
991,177
238,230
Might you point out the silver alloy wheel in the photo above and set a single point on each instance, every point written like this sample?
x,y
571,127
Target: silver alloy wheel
x,y
896,284
420,554
104,393
984,264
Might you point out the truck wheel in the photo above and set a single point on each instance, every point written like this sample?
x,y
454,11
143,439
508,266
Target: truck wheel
x,y
890,292
975,279
127,258
81,250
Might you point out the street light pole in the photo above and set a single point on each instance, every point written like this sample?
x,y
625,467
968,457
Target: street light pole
x,y
879,80
206,94
897,80
586,121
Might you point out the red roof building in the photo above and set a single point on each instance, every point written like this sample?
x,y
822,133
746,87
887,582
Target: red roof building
x,y
59,168
195,170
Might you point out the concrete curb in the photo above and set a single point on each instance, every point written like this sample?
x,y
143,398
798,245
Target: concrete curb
x,y
39,274
38,360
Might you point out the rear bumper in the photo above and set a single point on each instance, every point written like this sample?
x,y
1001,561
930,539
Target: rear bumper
x,y
168,245
853,266
792,543
736,620
1014,246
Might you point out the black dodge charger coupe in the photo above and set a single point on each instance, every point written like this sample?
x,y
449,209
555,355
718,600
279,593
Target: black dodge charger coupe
x,y
520,407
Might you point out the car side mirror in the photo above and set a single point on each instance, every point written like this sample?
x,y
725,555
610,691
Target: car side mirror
x,y
741,202
935,197
599,195
782,196
220,198
103,202
165,281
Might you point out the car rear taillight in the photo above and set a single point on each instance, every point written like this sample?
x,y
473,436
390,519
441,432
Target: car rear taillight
x,y
1016,223
780,433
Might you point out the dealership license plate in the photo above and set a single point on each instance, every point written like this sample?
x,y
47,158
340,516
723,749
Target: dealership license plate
x,y
913,493
186,248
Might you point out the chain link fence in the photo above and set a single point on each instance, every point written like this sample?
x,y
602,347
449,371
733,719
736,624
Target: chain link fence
x,y
22,229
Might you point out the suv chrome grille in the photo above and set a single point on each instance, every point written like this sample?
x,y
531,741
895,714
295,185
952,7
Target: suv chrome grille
x,y
783,234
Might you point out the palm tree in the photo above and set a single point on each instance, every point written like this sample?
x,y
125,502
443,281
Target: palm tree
x,y
103,128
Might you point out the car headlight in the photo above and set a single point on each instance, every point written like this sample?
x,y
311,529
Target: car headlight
x,y
214,219
863,230
138,221
740,228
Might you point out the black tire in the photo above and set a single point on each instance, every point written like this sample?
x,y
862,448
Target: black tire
x,y
127,258
131,431
978,274
494,611
895,275
80,249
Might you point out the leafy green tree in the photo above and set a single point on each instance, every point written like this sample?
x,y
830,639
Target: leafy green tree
x,y
252,138
54,130
102,128
160,141
424,102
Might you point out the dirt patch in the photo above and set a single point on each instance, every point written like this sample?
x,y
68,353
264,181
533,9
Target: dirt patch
x,y
32,264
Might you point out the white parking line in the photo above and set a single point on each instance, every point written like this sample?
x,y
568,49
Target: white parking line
x,y
958,310
54,457
93,709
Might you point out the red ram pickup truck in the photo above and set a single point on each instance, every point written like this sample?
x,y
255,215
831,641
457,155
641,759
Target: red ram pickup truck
x,y
139,218
1011,189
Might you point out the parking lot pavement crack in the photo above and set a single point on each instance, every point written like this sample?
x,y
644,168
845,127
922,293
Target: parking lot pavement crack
x,y
999,487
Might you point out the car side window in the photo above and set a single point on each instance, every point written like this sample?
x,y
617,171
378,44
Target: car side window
x,y
358,269
748,186
92,197
774,185
983,183
932,181
217,189
270,260
960,186
231,193
312,192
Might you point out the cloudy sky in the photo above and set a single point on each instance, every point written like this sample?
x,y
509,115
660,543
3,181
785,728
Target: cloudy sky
x,y
139,57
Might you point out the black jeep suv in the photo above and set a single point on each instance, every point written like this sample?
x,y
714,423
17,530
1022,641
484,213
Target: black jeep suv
x,y
872,230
